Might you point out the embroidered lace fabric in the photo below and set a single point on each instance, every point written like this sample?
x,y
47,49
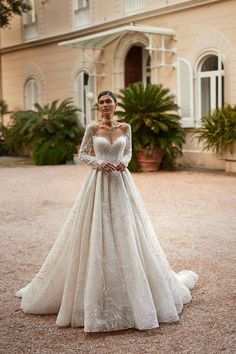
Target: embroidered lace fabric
x,y
106,270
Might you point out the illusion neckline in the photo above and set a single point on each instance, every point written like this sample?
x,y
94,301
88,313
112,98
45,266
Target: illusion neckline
x,y
110,142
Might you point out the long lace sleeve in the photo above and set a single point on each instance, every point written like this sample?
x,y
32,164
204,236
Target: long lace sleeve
x,y
85,147
128,148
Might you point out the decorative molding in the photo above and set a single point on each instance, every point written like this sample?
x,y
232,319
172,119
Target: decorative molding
x,y
32,71
124,43
210,39
111,24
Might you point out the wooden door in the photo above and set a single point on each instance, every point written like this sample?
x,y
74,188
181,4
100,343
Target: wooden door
x,y
134,65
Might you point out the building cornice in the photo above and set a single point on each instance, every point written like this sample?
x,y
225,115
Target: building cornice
x,y
109,25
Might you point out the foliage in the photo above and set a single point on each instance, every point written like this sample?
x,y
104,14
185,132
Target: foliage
x,y
3,145
52,130
15,139
3,110
3,107
218,129
53,151
9,8
152,114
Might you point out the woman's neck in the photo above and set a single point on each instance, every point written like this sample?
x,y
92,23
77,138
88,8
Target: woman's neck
x,y
109,121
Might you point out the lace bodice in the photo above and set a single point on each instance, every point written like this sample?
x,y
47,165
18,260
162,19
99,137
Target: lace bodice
x,y
118,150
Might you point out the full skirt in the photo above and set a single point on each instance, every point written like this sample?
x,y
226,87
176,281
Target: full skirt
x,y
106,270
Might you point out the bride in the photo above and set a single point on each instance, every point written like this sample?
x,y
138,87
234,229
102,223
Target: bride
x,y
106,270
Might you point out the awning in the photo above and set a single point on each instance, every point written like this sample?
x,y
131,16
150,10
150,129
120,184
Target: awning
x,y
101,39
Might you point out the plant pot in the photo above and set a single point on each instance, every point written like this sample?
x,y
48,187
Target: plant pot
x,y
149,162
230,159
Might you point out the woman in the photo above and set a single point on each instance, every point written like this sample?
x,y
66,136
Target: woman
x,y
106,270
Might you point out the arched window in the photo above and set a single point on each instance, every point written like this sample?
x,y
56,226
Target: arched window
x,y
210,84
84,91
32,94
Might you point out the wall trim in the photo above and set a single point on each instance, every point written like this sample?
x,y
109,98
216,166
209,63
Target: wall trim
x,y
109,25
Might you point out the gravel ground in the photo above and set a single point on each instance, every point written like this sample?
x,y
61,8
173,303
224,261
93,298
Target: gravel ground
x,y
194,214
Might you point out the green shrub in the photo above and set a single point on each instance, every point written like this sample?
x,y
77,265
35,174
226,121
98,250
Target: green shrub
x,y
152,114
218,129
52,152
52,132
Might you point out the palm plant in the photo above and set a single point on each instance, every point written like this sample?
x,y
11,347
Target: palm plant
x,y
3,110
52,130
152,114
218,129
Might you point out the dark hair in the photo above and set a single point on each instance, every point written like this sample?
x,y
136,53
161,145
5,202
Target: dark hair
x,y
108,93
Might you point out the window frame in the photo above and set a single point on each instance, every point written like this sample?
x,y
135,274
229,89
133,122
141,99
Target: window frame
x,y
34,98
30,18
79,10
212,74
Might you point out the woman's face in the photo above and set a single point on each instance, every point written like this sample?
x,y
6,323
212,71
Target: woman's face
x,y
106,105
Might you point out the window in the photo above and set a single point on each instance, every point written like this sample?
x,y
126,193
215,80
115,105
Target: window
x,y
210,84
185,92
29,21
133,6
32,94
82,13
81,4
84,91
30,16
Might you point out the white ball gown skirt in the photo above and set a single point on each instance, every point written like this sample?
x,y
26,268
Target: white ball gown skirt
x,y
106,270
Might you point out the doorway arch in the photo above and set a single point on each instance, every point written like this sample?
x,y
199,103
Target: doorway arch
x,y
134,65
149,62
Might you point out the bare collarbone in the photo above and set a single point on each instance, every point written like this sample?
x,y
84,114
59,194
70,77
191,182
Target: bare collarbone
x,y
119,130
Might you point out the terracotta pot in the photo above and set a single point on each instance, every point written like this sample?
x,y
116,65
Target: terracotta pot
x,y
230,159
150,162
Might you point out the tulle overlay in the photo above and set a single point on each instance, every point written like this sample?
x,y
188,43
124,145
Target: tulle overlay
x,y
107,271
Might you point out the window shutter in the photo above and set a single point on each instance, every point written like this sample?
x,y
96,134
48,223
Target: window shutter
x,y
185,92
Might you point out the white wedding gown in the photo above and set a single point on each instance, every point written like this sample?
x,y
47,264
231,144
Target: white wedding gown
x,y
106,270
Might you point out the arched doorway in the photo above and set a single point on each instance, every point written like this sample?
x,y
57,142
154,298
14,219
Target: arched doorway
x,y
134,65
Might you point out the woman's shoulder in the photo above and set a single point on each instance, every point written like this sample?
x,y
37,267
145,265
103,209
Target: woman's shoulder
x,y
93,127
125,127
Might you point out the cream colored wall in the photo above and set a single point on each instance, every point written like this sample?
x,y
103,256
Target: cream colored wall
x,y
103,11
53,17
52,65
197,29
12,35
55,62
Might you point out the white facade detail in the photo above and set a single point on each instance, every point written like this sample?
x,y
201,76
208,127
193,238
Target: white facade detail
x,y
84,96
82,13
185,92
31,94
134,6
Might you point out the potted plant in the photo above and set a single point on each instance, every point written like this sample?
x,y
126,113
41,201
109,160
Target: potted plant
x,y
157,132
218,133
51,131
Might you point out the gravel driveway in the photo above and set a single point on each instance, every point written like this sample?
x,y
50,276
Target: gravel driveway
x,y
194,214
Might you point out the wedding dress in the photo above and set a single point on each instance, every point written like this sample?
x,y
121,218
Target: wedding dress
x,y
106,270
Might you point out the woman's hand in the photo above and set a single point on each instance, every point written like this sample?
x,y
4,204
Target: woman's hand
x,y
108,166
120,167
